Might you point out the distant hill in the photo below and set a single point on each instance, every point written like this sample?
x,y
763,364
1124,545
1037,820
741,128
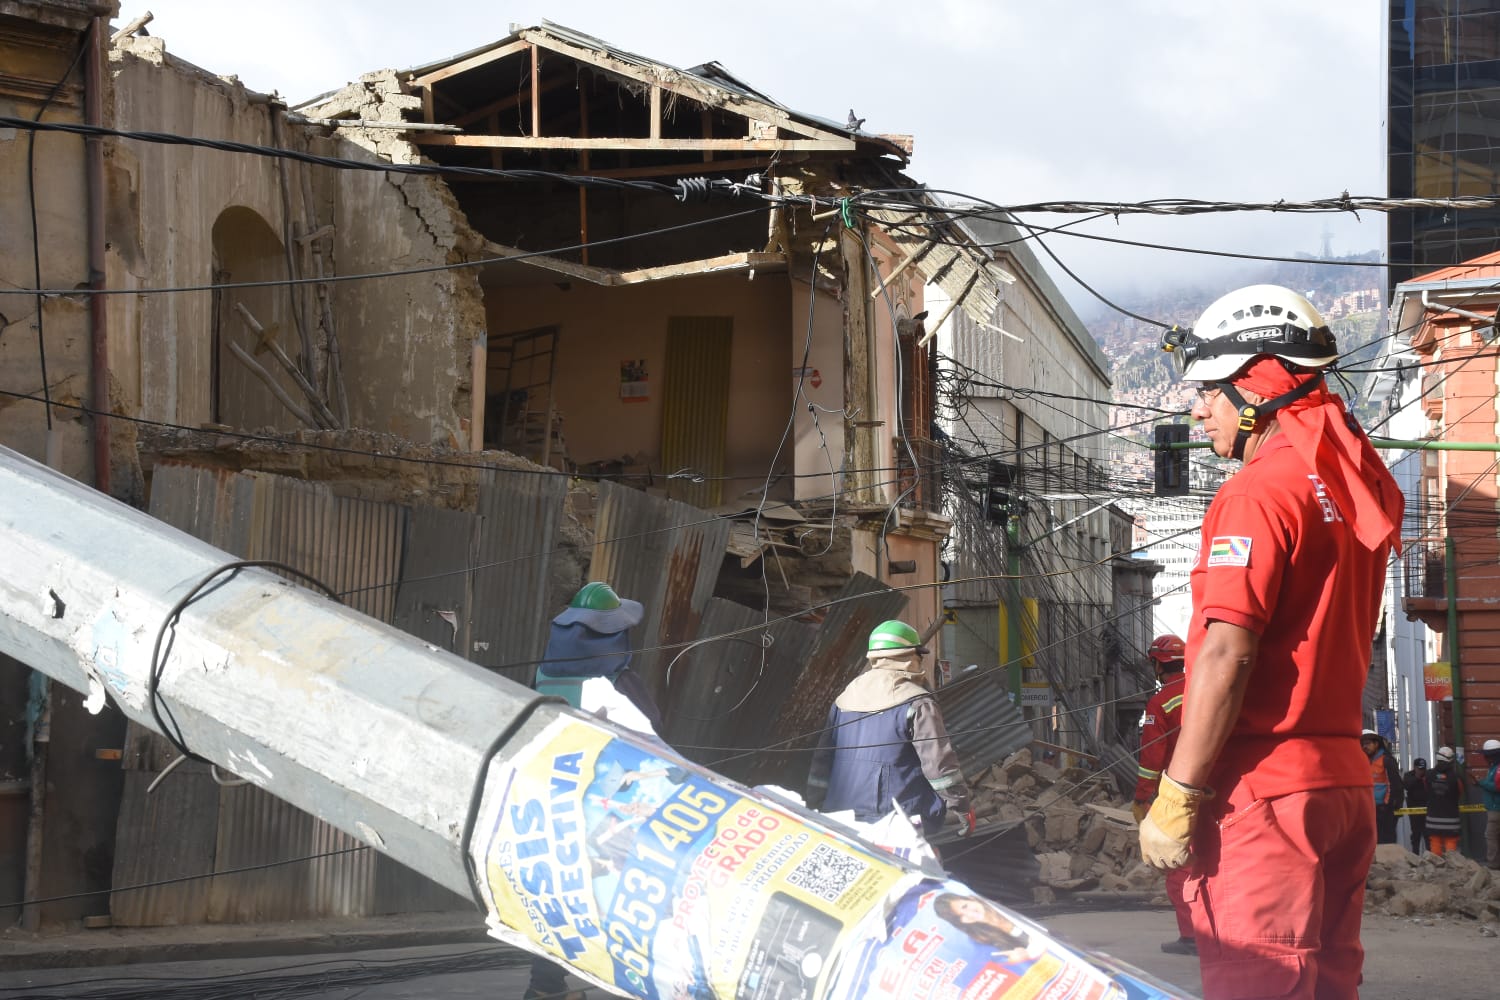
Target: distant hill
x,y
1349,296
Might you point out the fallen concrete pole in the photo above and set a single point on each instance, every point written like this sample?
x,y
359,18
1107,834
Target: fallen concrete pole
x,y
644,873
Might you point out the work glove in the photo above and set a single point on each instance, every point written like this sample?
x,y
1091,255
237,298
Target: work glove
x,y
1139,809
961,823
1168,827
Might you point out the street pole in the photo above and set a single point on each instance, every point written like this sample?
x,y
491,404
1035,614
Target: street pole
x,y
1013,604
1450,560
605,851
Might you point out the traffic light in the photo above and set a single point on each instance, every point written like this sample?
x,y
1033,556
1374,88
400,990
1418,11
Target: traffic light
x,y
1171,463
998,479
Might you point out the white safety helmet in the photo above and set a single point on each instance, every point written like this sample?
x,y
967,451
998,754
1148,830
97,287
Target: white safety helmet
x,y
1246,324
1491,748
1445,753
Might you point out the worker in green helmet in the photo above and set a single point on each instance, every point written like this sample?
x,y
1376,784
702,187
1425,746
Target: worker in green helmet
x,y
886,743
587,664
587,660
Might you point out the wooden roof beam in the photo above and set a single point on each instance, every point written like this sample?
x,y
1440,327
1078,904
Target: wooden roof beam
x,y
473,62
640,145
692,88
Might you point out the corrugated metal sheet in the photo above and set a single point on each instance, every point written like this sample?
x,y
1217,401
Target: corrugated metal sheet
x,y
985,726
837,654
710,703
355,547
433,601
519,516
258,829
664,554
169,834
214,505
695,406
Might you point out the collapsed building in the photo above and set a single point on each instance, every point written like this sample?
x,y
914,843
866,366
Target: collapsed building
x,y
450,339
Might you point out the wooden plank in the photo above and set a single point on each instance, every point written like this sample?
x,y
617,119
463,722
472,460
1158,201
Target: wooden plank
x,y
658,145
536,93
594,275
655,111
473,62
726,264
664,170
583,164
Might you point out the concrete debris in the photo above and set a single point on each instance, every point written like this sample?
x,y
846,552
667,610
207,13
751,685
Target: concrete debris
x,y
1405,884
1082,833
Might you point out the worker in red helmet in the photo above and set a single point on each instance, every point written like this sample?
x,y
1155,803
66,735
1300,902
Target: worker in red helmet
x,y
1267,796
1159,727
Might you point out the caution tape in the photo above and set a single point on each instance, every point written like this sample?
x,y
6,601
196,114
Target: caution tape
x,y
1422,810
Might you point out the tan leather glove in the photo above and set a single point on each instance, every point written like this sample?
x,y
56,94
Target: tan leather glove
x,y
1139,809
1168,827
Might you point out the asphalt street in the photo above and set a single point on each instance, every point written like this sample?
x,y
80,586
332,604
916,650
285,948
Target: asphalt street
x,y
1406,958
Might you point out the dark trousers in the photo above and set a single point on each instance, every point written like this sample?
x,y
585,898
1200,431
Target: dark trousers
x,y
546,979
1418,832
1385,824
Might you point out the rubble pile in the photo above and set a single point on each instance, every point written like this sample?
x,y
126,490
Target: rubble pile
x,y
1403,884
1079,828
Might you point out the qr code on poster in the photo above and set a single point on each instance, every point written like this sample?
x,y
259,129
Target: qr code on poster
x,y
826,873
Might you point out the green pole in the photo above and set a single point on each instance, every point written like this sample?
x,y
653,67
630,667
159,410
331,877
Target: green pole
x,y
1450,559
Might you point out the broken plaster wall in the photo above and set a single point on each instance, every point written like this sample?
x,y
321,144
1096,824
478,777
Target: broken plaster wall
x,y
182,216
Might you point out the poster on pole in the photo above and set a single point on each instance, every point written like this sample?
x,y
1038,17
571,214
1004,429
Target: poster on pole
x,y
653,878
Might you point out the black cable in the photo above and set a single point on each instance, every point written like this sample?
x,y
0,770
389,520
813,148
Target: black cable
x,y
425,269
183,878
36,233
160,710
681,191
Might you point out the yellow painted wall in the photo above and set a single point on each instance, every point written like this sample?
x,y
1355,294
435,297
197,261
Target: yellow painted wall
x,y
599,327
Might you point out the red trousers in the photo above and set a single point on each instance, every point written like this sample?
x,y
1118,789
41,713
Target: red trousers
x,y
1277,891
1176,892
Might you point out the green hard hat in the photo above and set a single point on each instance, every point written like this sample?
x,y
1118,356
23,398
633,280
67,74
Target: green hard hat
x,y
598,607
895,635
596,597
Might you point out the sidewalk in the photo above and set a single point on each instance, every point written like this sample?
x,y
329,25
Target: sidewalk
x,y
20,950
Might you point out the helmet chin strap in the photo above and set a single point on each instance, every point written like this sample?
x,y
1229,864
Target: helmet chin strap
x,y
1251,414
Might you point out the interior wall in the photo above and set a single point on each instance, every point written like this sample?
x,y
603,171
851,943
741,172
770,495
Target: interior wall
x,y
602,328
819,434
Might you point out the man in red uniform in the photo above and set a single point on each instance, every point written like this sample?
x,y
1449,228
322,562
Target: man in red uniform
x,y
1267,795
1158,736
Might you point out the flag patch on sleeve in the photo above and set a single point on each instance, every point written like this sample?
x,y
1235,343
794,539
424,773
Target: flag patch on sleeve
x,y
1229,550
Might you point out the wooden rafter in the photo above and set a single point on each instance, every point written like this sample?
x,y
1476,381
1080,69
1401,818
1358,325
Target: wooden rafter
x,y
696,90
571,142
473,62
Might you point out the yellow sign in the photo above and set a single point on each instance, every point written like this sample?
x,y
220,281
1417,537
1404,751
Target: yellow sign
x,y
1026,632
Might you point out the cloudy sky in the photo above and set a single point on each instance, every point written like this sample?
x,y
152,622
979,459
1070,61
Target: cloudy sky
x,y
1014,101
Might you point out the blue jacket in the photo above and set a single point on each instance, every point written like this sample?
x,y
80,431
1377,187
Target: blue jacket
x,y
876,763
1491,792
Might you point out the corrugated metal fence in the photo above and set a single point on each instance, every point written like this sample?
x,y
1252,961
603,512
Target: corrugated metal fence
x,y
458,579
